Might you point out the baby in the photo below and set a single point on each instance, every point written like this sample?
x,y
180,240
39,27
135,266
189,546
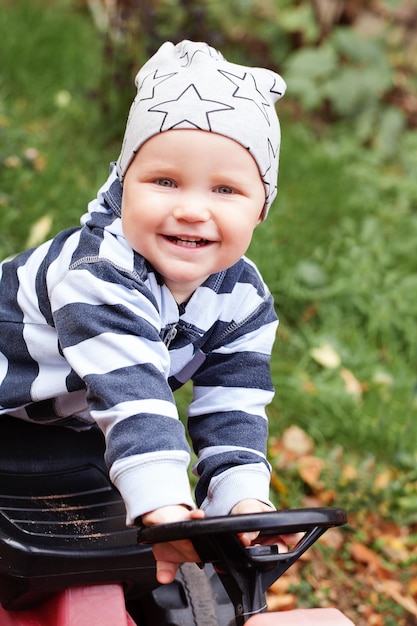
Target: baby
x,y
103,323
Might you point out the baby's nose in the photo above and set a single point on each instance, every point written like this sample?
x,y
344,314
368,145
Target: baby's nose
x,y
192,210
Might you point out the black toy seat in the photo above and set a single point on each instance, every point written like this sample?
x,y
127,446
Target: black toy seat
x,y
62,523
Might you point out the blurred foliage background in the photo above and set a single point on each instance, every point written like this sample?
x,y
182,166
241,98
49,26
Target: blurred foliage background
x,y
339,248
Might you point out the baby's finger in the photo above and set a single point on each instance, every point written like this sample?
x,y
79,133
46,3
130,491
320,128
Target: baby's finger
x,y
289,541
248,538
197,514
165,572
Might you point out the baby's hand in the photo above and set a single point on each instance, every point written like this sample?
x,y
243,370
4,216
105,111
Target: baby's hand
x,y
284,542
170,555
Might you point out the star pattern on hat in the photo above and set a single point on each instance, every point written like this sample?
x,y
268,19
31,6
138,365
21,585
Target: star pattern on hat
x,y
146,88
272,155
189,100
245,89
279,91
188,56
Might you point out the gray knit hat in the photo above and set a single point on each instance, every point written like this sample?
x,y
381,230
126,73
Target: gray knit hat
x,y
191,85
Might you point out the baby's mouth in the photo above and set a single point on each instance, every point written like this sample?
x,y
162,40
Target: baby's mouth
x,y
188,242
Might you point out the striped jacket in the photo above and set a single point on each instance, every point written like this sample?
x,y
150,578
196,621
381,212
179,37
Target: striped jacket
x,y
90,334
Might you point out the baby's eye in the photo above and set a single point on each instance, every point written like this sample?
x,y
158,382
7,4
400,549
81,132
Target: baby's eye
x,y
165,182
223,189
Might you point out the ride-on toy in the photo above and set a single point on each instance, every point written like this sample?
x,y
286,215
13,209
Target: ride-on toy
x,y
67,558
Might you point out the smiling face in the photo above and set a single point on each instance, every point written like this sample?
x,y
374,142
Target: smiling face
x,y
191,200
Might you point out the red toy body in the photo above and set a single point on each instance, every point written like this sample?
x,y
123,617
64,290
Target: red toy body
x,y
105,605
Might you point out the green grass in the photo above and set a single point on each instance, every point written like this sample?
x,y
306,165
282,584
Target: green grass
x,y
50,71
337,251
338,256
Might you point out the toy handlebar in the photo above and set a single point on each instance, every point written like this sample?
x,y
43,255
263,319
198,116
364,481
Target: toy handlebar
x,y
247,572
269,524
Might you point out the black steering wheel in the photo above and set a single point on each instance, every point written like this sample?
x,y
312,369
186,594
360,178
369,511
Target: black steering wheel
x,y
247,572
215,538
270,523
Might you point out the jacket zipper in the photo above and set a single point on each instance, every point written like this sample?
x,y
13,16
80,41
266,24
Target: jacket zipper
x,y
170,335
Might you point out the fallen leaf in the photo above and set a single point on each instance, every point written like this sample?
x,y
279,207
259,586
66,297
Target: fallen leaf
x,y
310,387
363,554
393,589
352,384
327,497
395,549
383,479
333,538
383,379
412,587
283,602
309,313
12,161
39,231
311,501
326,356
296,440
277,484
282,584
349,472
309,469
